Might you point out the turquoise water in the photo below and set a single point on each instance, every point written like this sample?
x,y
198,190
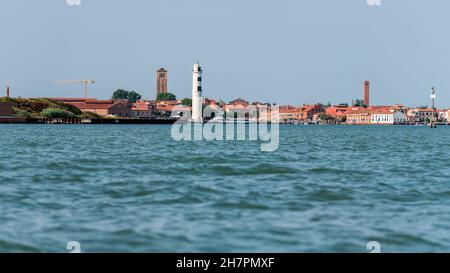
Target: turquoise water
x,y
120,188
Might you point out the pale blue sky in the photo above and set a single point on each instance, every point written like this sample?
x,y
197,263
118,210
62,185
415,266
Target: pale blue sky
x,y
284,51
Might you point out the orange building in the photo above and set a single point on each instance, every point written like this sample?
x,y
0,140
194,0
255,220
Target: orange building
x,y
359,117
381,115
337,111
307,112
143,109
288,114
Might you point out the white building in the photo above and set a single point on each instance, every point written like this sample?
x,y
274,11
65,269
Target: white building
x,y
443,115
420,114
388,117
446,116
197,99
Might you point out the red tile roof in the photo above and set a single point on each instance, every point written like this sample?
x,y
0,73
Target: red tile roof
x,y
170,108
424,110
288,109
71,99
239,101
83,105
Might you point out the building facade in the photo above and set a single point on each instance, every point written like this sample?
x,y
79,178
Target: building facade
x,y
388,117
306,112
376,117
359,117
420,114
120,108
288,114
143,109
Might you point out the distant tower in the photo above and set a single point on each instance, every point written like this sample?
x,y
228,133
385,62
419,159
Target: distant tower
x,y
161,81
433,98
197,100
7,92
434,118
367,93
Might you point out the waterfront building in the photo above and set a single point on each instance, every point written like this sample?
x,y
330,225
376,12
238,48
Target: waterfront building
x,y
197,92
442,115
359,117
420,115
234,110
316,118
143,109
306,112
214,108
288,114
237,108
161,81
256,111
6,110
389,117
400,108
172,111
381,116
339,112
120,108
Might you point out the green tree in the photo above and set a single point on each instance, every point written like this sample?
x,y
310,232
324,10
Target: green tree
x,y
166,96
21,113
134,96
57,113
121,94
187,102
325,117
359,103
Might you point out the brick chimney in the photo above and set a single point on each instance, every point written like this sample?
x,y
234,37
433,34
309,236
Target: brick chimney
x,y
7,91
367,93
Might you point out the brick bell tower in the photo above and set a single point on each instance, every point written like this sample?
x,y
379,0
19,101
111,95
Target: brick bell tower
x,y
161,81
367,93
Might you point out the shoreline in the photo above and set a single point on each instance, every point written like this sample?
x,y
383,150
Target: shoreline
x,y
77,121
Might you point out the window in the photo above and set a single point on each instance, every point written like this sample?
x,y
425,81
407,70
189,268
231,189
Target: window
x,y
199,79
199,88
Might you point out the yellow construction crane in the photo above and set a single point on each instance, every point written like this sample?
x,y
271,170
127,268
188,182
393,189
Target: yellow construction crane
x,y
84,82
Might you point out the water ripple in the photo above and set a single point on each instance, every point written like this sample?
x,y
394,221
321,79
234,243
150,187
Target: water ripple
x,y
134,189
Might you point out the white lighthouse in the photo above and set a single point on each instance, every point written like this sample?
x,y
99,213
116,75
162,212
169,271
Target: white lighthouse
x,y
197,99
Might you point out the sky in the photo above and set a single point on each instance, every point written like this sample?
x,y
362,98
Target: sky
x,y
284,51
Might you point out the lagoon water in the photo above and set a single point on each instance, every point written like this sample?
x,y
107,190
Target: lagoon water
x,y
131,188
